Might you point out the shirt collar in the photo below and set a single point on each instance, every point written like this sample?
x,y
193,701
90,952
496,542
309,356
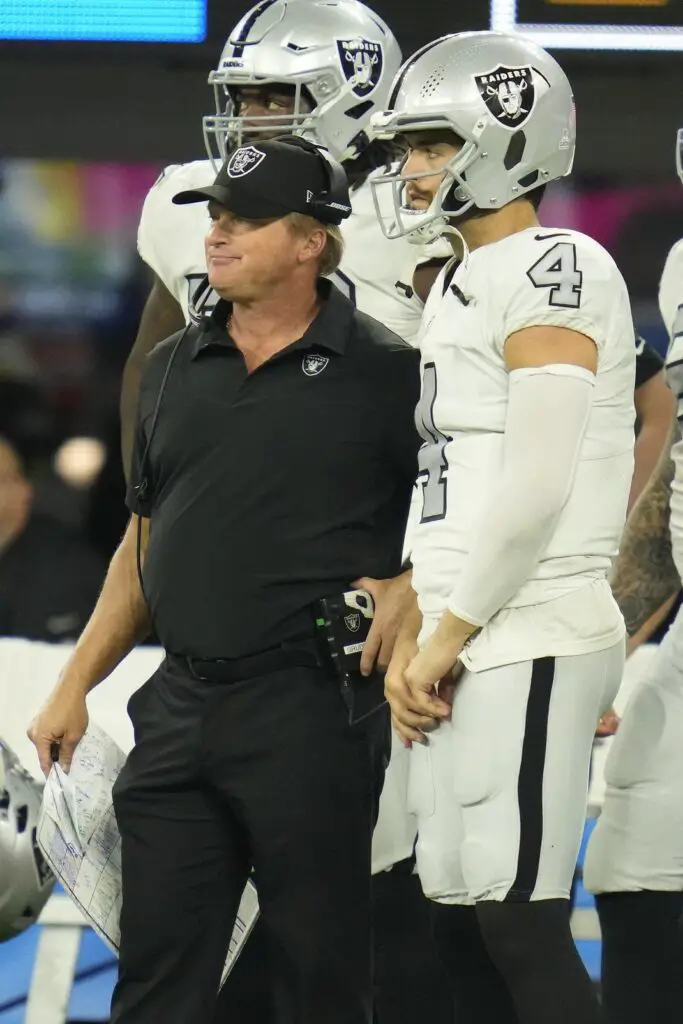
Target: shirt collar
x,y
329,329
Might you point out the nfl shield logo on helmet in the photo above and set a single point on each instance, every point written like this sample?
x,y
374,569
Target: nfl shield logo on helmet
x,y
352,621
244,161
312,365
509,94
362,63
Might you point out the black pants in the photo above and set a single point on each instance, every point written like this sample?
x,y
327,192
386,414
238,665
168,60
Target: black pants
x,y
409,984
265,773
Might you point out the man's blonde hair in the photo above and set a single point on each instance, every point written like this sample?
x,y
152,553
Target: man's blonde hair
x,y
330,258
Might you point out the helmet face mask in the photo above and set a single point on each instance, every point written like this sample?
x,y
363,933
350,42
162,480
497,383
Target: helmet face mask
x,y
229,130
337,59
506,98
451,198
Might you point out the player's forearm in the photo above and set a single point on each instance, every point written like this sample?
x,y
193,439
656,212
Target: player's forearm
x,y
512,535
411,624
650,444
161,317
118,623
547,416
130,392
644,577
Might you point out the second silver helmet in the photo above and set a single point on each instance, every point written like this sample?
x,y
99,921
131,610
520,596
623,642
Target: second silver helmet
x,y
339,58
509,102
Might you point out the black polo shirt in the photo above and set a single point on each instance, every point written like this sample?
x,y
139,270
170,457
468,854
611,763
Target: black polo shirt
x,y
269,490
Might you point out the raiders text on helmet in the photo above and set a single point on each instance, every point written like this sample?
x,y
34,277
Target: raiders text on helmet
x,y
338,57
507,99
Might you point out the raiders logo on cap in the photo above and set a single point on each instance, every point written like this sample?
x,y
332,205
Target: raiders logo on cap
x,y
509,93
244,161
362,63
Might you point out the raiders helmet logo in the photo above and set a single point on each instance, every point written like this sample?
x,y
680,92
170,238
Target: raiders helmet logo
x,y
352,621
312,365
244,161
362,63
509,94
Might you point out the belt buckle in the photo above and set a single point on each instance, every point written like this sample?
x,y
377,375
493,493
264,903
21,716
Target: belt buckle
x,y
193,671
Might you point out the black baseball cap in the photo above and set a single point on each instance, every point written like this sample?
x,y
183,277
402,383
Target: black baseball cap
x,y
275,178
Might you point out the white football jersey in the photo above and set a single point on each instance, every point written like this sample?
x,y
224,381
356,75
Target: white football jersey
x,y
375,273
535,277
671,308
671,288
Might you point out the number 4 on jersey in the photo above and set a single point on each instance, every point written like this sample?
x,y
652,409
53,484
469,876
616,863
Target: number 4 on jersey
x,y
557,270
432,461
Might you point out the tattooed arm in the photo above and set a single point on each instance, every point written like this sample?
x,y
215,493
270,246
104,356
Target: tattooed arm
x,y
645,581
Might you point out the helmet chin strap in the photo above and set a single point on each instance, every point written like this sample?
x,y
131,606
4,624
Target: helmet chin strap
x,y
439,224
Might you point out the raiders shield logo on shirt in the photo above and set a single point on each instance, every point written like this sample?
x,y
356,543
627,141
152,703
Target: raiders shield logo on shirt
x,y
244,161
362,63
509,94
312,365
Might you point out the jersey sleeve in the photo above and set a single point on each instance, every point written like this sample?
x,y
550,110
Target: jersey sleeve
x,y
171,238
671,308
648,362
671,291
150,228
561,280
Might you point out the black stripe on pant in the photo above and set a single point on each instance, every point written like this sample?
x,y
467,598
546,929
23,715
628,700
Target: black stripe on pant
x,y
530,781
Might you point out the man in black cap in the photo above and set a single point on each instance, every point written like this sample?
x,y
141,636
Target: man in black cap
x,y
273,468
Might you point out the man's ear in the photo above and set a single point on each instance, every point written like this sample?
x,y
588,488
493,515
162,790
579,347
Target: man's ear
x,y
313,246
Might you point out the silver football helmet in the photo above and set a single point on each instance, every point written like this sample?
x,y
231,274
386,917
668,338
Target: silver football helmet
x,y
337,56
679,153
26,882
507,99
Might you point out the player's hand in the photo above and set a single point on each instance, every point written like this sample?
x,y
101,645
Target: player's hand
x,y
406,719
608,724
60,723
391,598
436,662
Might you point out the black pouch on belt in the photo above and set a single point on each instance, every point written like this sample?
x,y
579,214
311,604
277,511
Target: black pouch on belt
x,y
344,621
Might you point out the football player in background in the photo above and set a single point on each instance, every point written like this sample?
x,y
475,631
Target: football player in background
x,y
634,860
646,581
528,362
321,70
655,407
306,66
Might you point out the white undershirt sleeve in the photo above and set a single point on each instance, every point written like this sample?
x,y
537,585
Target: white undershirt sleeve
x,y
547,416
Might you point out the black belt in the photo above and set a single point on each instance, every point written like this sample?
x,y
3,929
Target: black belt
x,y
301,654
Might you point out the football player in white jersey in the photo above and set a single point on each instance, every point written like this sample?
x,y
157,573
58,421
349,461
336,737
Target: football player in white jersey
x,y
528,362
319,69
634,860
